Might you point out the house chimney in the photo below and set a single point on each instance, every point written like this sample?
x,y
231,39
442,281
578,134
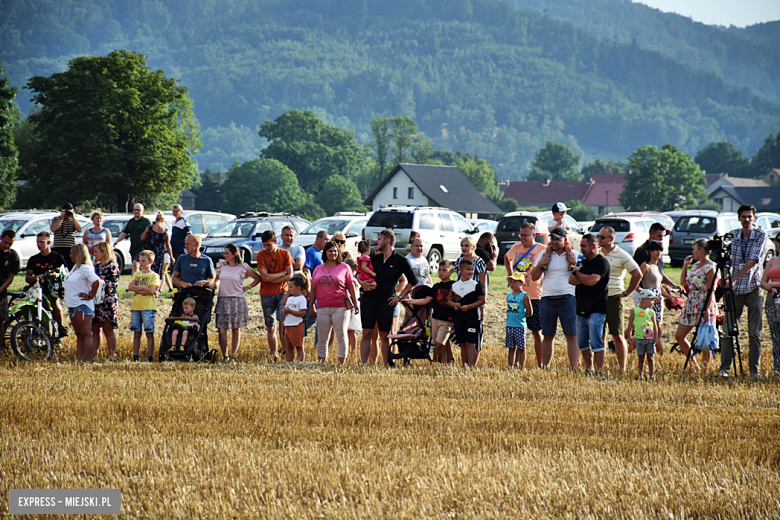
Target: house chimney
x,y
546,182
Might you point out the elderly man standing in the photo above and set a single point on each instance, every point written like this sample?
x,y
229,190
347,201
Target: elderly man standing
x,y
747,254
521,257
620,262
557,298
590,281
179,230
134,228
275,266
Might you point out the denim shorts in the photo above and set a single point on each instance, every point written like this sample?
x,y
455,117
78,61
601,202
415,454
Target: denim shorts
x,y
272,308
83,308
549,316
589,332
145,318
645,346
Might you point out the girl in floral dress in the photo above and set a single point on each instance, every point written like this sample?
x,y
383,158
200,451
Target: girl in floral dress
x,y
105,313
699,279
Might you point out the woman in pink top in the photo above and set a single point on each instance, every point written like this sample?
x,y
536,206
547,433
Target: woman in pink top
x,y
232,311
331,283
771,284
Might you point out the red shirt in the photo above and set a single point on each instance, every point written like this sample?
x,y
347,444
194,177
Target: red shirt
x,y
273,263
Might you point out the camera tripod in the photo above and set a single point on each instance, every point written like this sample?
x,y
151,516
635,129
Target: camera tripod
x,y
730,325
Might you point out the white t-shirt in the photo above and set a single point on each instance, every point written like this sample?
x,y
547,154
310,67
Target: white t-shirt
x,y
80,281
294,303
421,269
565,225
556,277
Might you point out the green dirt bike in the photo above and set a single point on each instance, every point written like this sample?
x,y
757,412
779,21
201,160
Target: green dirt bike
x,y
33,330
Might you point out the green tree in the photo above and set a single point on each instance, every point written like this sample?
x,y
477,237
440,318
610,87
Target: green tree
x,y
397,140
481,175
9,154
508,205
339,194
766,157
723,157
309,209
110,127
556,162
209,191
661,180
579,211
599,166
261,185
310,148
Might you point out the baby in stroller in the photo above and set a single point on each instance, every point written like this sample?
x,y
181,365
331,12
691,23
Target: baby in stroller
x,y
185,324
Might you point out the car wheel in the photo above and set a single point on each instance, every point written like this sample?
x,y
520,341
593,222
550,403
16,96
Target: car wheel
x,y
120,261
434,257
769,255
247,256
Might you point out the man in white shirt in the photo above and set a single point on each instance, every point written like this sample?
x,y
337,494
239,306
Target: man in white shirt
x,y
620,262
558,301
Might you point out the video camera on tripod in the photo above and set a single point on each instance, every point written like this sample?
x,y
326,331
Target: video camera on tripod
x,y
720,247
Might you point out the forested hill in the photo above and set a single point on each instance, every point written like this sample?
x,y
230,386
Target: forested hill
x,y
476,75
746,57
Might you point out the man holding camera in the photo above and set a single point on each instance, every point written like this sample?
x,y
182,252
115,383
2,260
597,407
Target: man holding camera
x,y
747,255
64,229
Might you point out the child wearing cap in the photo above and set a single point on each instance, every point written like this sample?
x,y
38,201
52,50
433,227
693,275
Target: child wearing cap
x,y
518,307
644,333
559,210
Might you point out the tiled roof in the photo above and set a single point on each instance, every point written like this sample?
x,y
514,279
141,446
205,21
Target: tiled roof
x,y
539,194
763,198
605,190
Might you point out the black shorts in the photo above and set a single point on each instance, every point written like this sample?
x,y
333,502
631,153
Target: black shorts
x,y
533,321
373,312
468,331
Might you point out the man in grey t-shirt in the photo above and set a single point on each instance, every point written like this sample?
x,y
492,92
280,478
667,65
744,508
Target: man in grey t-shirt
x,y
420,265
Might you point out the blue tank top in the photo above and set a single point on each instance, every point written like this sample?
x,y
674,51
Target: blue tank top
x,y
515,310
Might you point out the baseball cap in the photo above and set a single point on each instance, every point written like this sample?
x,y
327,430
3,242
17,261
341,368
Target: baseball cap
x,y
558,207
558,232
518,275
67,206
644,293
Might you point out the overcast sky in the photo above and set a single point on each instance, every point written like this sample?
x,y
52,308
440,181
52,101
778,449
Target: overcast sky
x,y
721,12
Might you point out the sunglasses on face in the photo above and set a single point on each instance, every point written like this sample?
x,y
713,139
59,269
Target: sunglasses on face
x,y
602,237
340,241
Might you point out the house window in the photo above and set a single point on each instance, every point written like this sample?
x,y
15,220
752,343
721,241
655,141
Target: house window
x,y
395,193
411,193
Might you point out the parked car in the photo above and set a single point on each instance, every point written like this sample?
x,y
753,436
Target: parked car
x,y
202,222
508,229
630,232
692,226
769,222
675,215
245,233
662,218
27,226
483,225
349,223
585,225
115,223
441,229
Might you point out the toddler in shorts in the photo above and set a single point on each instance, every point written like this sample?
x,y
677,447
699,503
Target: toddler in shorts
x,y
518,308
186,324
294,312
644,332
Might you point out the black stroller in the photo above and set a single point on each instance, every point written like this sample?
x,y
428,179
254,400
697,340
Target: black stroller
x,y
197,346
412,338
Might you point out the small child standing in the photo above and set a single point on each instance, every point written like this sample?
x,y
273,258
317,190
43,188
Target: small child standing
x,y
365,267
186,323
518,307
643,327
466,297
294,312
143,311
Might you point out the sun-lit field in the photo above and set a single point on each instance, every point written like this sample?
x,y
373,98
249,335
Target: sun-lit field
x,y
254,439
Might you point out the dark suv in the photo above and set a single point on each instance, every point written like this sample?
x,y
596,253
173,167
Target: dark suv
x,y
245,233
692,226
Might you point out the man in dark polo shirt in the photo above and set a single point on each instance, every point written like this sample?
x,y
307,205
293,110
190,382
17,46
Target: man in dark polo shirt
x,y
379,299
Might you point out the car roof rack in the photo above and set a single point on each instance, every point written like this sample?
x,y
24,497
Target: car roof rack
x,y
265,214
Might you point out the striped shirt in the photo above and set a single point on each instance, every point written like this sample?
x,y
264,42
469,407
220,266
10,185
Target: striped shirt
x,y
742,251
65,236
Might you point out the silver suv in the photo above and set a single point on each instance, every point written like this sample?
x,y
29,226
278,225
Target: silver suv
x,y
440,228
694,225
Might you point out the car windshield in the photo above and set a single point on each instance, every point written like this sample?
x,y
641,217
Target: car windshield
x,y
329,225
696,224
620,226
391,220
115,226
12,224
234,228
512,224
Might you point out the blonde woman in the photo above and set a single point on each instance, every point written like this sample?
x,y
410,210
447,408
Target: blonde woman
x,y
468,250
105,313
341,242
81,286
158,241
96,234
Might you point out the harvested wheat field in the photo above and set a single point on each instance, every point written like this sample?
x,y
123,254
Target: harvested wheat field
x,y
254,440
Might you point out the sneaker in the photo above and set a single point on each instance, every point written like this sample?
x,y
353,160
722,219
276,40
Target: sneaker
x,y
723,373
757,376
62,332
181,348
150,359
136,358
641,377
